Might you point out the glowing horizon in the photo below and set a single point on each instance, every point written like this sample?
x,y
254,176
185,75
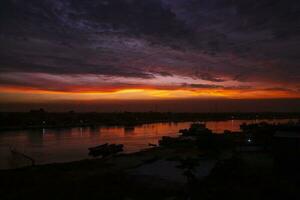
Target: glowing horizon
x,y
22,94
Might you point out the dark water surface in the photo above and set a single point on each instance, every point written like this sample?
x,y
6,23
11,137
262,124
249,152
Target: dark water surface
x,y
63,145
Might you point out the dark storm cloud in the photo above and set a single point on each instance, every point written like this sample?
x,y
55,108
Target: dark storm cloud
x,y
57,65
261,31
213,40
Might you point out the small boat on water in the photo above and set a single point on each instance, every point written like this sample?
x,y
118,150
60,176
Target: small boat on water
x,y
105,150
98,147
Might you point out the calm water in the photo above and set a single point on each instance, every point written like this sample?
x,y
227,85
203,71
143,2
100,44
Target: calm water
x,y
62,145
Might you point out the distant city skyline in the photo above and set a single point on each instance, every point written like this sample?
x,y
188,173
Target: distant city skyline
x,y
183,105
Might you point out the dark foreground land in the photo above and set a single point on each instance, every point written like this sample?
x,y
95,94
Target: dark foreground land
x,y
261,162
37,119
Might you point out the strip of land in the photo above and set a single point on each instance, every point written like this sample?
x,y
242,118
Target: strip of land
x,y
38,119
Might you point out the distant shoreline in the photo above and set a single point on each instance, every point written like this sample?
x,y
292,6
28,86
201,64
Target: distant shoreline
x,y
46,120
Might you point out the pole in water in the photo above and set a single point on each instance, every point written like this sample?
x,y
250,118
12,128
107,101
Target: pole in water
x,y
14,151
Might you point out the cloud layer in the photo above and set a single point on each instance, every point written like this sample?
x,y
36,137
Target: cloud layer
x,y
109,45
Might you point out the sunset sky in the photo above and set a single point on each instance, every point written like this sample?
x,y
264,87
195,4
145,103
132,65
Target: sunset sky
x,y
101,50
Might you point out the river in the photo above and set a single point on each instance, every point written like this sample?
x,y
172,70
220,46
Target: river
x,y
64,145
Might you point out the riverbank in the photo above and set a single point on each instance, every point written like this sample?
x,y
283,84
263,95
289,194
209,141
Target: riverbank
x,y
117,177
157,173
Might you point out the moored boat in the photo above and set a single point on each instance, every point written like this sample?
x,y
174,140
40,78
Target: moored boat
x,y
105,150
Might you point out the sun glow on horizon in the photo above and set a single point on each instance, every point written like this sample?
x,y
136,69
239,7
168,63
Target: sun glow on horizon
x,y
22,94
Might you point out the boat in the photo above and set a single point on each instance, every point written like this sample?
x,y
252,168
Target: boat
x,y
152,145
105,150
98,147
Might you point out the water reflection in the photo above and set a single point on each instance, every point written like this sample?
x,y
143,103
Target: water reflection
x,y
62,145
